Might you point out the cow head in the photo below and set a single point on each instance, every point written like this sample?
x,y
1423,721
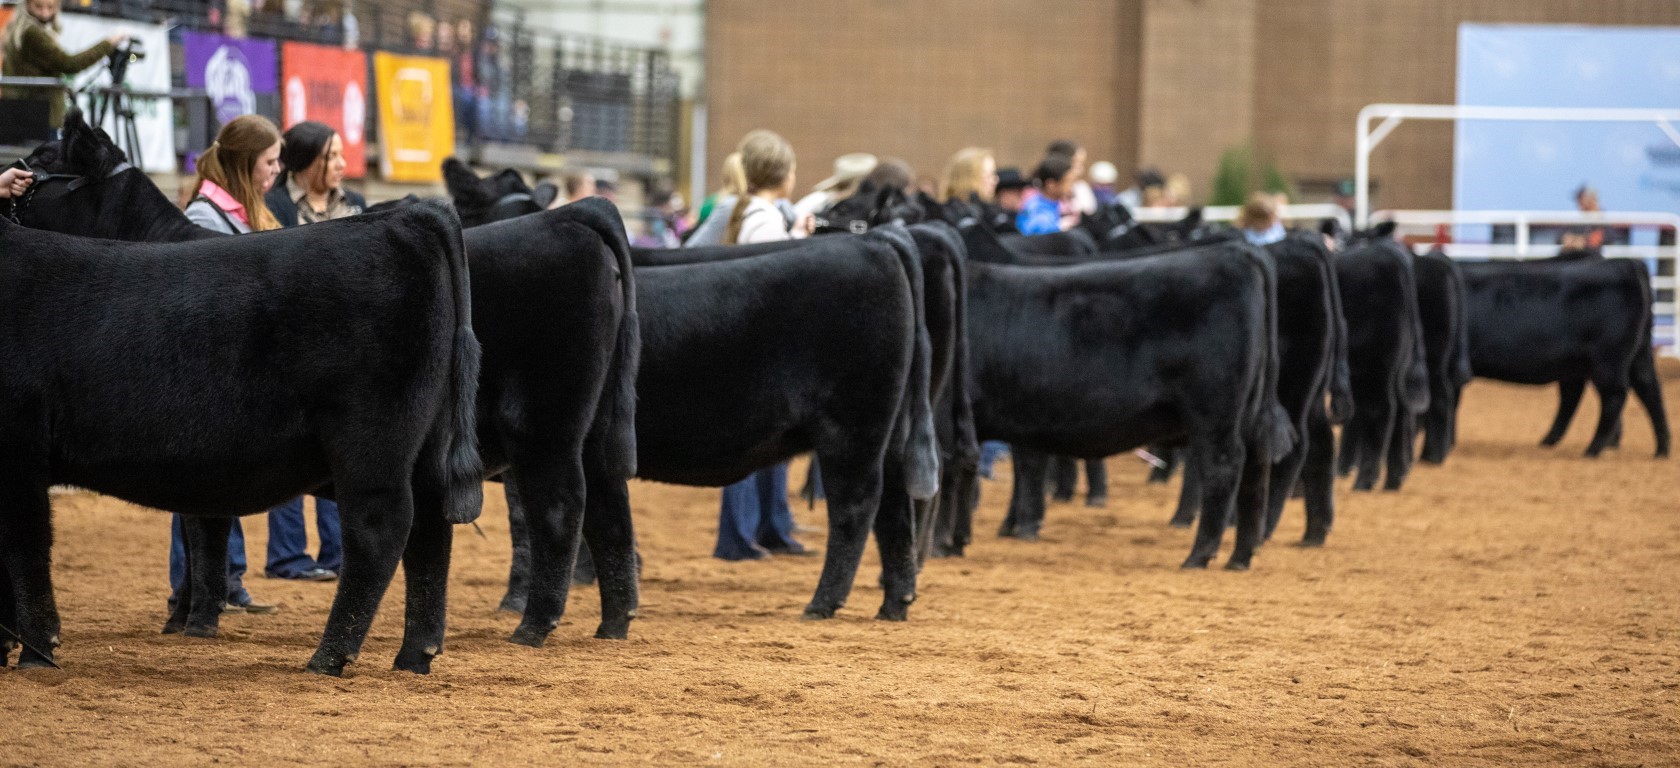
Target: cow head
x,y
872,205
85,186
503,195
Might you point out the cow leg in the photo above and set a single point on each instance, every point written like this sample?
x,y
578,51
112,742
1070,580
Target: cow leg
x,y
1026,502
1189,496
895,541
1284,474
26,554
1643,377
1437,426
945,514
552,490
519,571
608,529
1402,439
181,607
426,574
1219,459
1096,483
377,518
1569,399
1064,473
1251,500
854,487
1318,477
207,572
1612,387
8,618
1371,436
960,494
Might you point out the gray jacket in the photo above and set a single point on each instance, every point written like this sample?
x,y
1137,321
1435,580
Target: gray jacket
x,y
205,214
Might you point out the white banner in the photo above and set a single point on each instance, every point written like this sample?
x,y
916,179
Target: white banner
x,y
154,119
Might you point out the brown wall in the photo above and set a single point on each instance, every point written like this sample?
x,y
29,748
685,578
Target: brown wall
x,y
1169,83
917,79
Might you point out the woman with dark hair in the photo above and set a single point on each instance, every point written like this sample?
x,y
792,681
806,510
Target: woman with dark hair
x,y
310,189
311,184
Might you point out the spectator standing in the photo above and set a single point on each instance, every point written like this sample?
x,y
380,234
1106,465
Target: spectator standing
x,y
30,49
1587,235
233,175
1259,220
1081,200
309,190
754,520
1041,213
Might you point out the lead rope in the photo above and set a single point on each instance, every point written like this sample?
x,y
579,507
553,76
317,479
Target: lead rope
x,y
30,648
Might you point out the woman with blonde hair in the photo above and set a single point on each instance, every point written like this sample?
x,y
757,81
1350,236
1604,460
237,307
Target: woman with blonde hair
x,y
233,176
754,520
970,177
1259,220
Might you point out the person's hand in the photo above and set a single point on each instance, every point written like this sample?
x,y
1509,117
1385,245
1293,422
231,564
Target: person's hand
x,y
13,181
804,225
118,39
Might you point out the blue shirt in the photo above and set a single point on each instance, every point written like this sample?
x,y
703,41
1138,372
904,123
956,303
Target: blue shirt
x,y
1039,215
1266,236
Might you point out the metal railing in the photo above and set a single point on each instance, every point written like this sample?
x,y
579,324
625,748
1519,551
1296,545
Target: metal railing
x,y
1304,212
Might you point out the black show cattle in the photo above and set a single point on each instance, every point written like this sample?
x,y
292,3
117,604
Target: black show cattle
x,y
754,354
224,376
1570,320
554,306
1094,359
1446,344
1386,361
502,196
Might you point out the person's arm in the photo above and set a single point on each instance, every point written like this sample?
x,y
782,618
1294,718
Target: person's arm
x,y
40,48
13,182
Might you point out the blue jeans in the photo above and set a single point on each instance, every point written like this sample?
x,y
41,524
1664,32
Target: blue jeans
x,y
236,593
755,517
288,540
991,451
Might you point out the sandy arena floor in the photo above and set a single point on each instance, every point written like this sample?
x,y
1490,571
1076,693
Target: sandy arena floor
x,y
1515,607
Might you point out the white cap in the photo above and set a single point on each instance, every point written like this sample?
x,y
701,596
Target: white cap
x,y
1103,172
848,168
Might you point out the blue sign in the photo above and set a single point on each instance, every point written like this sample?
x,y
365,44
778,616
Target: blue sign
x,y
1539,165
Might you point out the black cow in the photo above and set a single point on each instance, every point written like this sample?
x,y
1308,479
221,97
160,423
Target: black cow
x,y
1446,344
497,198
1571,320
1386,360
222,377
555,309
1094,359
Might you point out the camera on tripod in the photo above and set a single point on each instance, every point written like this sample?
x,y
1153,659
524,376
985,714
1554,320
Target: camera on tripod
x,y
130,51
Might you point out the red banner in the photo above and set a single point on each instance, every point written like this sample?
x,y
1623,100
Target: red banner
x,y
328,85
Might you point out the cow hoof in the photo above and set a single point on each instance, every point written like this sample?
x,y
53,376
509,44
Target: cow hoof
x,y
528,636
1195,562
894,610
173,627
1235,565
1592,453
1061,498
813,613
202,630
512,603
1179,522
1312,542
323,663
1096,501
418,662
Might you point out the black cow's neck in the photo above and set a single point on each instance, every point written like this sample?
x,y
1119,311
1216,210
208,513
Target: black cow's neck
x,y
150,217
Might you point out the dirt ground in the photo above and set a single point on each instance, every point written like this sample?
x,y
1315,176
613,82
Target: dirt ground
x,y
1514,607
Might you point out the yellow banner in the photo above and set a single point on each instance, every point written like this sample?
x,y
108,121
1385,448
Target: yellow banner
x,y
416,116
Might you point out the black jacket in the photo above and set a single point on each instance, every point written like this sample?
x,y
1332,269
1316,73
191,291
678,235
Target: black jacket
x,y
285,211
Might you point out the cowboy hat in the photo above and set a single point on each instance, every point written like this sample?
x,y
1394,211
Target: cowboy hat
x,y
848,168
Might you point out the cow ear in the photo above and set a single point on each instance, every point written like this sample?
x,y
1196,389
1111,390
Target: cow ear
x,y
1328,227
1384,230
508,182
545,194
1192,219
460,180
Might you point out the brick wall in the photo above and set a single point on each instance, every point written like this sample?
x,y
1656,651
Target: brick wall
x,y
1169,83
918,79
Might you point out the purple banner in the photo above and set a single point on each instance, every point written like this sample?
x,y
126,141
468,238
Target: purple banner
x,y
241,76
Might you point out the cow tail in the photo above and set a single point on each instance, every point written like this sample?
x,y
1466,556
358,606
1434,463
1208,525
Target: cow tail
x,y
1415,386
1460,362
921,444
1643,373
967,452
619,395
463,469
1270,422
1341,379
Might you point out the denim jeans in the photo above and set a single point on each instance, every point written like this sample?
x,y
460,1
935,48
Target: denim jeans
x,y
991,451
755,515
288,540
236,593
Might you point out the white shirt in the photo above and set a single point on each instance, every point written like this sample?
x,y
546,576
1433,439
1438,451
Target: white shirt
x,y
762,223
